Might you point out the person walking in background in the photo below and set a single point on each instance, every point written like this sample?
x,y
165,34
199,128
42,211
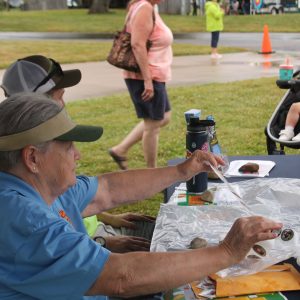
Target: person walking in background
x,y
214,24
235,7
195,7
226,7
246,7
148,88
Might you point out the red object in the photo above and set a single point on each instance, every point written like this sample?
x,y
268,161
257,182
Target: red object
x,y
266,47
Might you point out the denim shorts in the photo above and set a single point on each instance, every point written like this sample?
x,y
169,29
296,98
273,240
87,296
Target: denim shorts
x,y
215,39
153,109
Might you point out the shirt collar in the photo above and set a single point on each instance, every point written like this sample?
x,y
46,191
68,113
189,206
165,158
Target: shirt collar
x,y
11,182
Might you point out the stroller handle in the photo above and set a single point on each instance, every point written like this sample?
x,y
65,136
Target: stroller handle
x,y
287,84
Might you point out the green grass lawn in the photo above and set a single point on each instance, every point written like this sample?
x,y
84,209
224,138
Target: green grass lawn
x,y
241,110
78,20
81,51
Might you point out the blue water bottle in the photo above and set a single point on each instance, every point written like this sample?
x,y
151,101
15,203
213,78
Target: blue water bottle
x,y
197,138
212,137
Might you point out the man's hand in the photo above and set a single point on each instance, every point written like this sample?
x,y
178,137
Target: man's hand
x,y
122,244
126,220
245,232
199,162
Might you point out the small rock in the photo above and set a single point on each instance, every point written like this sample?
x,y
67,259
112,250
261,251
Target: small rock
x,y
197,243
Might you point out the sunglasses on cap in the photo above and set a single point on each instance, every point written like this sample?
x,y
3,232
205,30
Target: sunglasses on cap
x,y
54,70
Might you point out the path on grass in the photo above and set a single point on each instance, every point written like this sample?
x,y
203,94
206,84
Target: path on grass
x,y
101,79
249,40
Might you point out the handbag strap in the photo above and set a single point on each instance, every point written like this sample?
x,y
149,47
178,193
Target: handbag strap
x,y
129,15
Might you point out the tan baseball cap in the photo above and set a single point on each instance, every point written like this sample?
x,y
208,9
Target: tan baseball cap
x,y
59,127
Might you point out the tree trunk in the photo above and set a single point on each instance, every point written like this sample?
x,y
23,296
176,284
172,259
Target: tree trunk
x,y
99,7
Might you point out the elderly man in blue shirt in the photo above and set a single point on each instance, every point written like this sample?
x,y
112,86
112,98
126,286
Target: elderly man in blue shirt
x,y
45,252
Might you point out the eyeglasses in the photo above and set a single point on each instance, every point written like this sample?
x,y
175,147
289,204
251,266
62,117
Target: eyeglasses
x,y
55,69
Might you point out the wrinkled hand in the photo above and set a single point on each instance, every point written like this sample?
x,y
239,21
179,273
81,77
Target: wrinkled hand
x,y
122,244
148,92
245,232
199,162
128,220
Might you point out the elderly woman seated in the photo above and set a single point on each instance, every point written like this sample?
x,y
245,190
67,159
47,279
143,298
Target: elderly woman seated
x,y
45,252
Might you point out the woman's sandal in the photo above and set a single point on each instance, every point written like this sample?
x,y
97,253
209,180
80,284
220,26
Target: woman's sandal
x,y
120,160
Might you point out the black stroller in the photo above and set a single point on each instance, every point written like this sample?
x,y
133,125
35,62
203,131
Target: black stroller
x,y
277,121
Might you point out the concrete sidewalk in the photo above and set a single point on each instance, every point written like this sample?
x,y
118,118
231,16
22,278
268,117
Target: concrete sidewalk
x,y
101,79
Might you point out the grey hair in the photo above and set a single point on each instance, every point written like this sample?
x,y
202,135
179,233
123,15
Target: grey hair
x,y
20,112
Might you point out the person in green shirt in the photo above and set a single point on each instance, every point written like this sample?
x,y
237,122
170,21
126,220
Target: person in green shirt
x,y
121,233
214,24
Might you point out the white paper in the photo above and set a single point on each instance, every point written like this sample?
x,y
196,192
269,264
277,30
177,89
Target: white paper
x,y
265,166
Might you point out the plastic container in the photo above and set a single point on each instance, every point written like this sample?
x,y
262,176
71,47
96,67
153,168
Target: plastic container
x,y
212,137
286,70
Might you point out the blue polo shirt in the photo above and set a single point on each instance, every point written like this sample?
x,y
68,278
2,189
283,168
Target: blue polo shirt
x,y
45,252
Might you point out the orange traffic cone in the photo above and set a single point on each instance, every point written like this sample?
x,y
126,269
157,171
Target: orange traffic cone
x,y
266,47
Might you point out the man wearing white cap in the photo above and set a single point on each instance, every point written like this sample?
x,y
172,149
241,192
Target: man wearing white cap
x,y
36,73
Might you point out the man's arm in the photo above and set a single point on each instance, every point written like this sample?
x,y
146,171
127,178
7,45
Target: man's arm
x,y
118,188
124,220
140,273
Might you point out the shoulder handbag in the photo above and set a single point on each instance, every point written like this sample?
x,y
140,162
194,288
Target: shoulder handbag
x,y
121,54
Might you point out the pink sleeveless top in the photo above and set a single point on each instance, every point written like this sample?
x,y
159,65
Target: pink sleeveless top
x,y
160,54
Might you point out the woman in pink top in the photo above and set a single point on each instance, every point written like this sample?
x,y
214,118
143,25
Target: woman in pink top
x,y
147,89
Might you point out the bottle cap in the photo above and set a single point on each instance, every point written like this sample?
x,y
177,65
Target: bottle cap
x,y
192,113
287,67
196,125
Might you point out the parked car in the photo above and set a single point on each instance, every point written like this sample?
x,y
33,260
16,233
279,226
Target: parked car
x,y
276,6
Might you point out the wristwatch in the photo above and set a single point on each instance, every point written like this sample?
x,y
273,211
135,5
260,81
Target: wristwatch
x,y
101,240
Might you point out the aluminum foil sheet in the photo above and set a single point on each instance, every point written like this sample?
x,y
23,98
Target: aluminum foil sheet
x,y
275,198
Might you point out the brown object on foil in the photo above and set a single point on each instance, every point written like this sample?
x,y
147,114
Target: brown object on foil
x,y
201,199
207,196
197,243
249,168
